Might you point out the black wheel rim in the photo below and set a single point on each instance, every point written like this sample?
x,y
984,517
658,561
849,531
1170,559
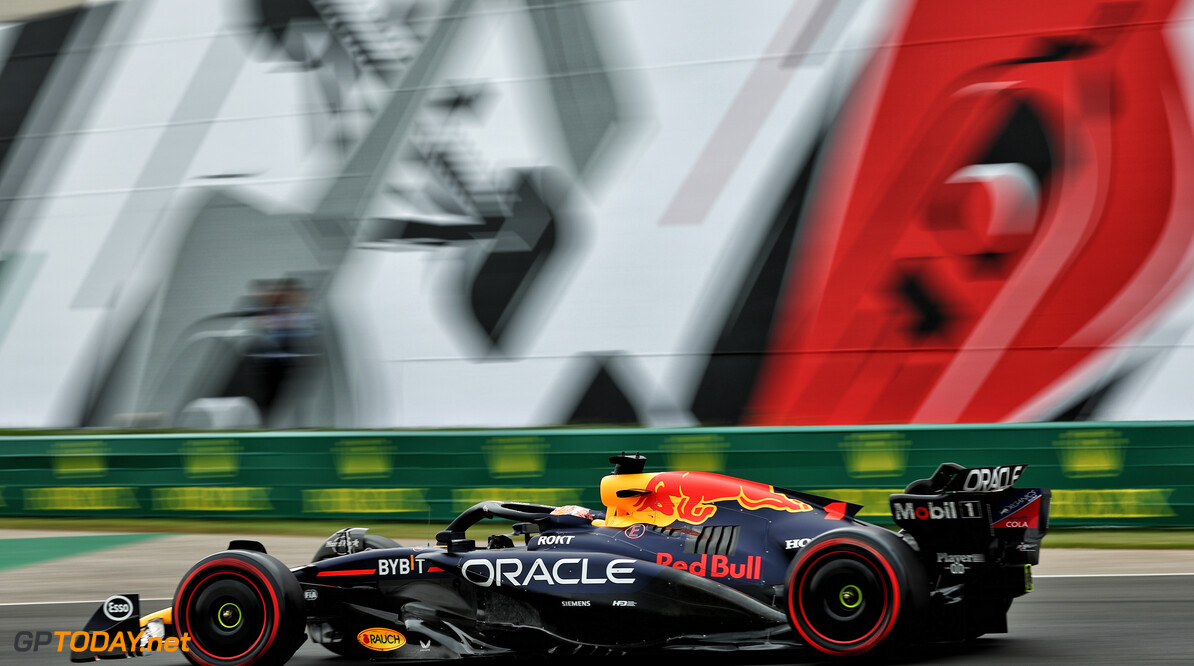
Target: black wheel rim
x,y
843,598
226,616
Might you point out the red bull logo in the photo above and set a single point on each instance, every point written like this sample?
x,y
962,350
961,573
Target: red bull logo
x,y
717,566
691,497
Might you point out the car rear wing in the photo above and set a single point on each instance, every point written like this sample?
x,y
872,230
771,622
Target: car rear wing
x,y
976,510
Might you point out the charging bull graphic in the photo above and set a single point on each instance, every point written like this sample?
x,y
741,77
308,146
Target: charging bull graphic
x,y
664,498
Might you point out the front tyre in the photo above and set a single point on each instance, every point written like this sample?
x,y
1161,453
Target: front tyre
x,y
240,608
855,592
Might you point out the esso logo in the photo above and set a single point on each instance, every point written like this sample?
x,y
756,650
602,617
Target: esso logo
x,y
118,608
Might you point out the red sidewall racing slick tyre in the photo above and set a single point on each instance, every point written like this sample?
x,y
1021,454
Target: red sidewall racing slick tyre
x,y
855,592
240,608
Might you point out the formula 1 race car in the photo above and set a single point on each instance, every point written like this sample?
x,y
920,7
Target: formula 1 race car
x,y
687,560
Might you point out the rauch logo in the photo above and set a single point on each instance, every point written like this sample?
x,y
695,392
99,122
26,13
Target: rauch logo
x,y
381,639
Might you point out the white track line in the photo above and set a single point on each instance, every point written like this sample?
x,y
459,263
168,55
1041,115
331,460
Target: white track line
x,y
1108,575
86,601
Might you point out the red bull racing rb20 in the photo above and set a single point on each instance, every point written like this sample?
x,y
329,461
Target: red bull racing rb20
x,y
677,560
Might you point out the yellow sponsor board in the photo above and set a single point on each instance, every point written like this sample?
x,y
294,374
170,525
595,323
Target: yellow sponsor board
x,y
875,454
463,498
365,500
516,457
363,458
79,460
1088,454
1112,503
696,453
211,498
210,458
84,498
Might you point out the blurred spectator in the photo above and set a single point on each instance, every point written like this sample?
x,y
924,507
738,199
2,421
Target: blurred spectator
x,y
284,331
286,325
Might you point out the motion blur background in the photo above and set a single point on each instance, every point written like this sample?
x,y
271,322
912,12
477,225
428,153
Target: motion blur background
x,y
507,213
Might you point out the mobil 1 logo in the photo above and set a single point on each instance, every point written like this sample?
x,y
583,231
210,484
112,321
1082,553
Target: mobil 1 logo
x,y
936,510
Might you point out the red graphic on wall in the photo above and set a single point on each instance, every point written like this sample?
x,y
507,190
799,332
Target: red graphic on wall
x,y
1010,205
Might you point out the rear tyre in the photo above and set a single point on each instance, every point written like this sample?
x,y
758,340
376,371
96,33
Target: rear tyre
x,y
855,592
239,608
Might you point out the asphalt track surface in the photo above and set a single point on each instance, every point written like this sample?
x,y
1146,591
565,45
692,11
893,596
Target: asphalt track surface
x,y
1121,607
1138,618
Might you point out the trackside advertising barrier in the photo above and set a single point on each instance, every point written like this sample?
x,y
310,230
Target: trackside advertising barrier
x,y
1128,474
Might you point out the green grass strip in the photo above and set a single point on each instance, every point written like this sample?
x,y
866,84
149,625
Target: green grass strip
x,y
35,550
1117,538
246,527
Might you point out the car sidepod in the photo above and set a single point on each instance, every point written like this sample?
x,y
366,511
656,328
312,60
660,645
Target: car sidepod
x,y
388,604
599,599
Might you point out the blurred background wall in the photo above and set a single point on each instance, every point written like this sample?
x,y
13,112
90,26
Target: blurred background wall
x,y
416,213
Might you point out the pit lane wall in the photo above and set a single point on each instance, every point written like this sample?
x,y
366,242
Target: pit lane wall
x,y
1131,474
